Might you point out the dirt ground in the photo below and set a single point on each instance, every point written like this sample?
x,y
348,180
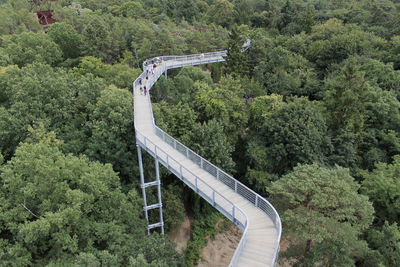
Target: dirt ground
x,y
219,251
182,234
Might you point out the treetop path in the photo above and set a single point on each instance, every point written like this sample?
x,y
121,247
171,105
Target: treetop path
x,y
253,214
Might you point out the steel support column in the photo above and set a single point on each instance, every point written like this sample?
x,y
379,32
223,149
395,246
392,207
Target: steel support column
x,y
159,194
145,185
139,150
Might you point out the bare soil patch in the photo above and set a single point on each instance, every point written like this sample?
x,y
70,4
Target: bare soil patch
x,y
182,234
219,251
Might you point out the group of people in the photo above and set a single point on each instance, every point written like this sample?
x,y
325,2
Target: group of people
x,y
149,68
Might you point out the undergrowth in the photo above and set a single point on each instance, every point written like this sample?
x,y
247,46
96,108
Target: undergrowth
x,y
204,225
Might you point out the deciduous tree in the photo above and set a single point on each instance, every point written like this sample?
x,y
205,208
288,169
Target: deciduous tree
x,y
321,210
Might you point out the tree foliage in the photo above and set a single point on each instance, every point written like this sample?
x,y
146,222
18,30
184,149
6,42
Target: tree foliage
x,y
318,85
382,187
322,212
62,209
29,47
290,133
66,38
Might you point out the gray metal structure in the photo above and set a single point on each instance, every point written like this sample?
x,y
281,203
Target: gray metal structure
x,y
253,214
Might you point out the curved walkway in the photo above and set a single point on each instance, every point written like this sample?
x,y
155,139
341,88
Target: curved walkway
x,y
255,216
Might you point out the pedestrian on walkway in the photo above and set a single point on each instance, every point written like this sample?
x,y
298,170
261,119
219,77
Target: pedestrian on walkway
x,y
145,90
140,80
141,90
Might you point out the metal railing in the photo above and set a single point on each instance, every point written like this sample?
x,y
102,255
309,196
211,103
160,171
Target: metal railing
x,y
225,206
197,57
229,209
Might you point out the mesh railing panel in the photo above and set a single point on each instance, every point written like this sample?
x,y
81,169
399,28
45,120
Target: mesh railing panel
x,y
208,167
246,193
226,179
194,157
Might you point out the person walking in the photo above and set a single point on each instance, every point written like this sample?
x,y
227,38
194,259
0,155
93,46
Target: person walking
x,y
145,90
141,90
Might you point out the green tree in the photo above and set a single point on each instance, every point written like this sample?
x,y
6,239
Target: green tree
x,y
243,12
262,108
346,99
182,9
321,210
382,186
17,18
56,208
132,9
236,60
386,240
380,140
178,119
96,38
66,38
112,135
118,74
173,209
290,133
287,74
221,13
38,94
29,47
185,86
226,105
333,42
209,141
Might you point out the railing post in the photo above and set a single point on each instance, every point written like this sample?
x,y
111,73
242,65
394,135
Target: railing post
x,y
187,152
163,136
235,186
201,163
155,150
175,143
256,204
233,213
195,182
167,162
181,172
213,196
218,174
145,141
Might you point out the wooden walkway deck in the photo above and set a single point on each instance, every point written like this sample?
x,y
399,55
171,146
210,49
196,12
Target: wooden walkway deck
x,y
262,239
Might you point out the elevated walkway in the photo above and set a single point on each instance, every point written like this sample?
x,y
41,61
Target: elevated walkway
x,y
255,216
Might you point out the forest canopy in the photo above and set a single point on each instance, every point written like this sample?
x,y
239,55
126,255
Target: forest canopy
x,y
307,116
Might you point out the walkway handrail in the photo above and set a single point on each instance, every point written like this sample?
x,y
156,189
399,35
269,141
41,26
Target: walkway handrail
x,y
216,172
185,57
231,182
199,185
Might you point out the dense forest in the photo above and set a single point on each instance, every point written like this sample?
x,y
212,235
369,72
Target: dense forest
x,y
308,116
